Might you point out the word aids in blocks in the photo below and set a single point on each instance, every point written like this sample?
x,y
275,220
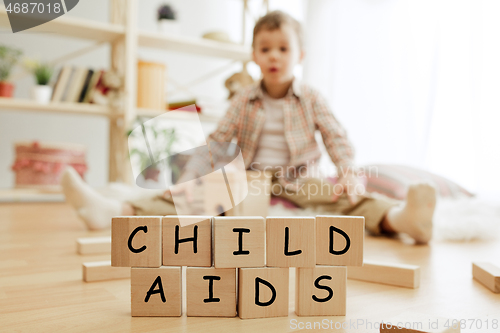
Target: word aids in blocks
x,y
93,245
412,322
290,241
320,291
102,270
136,241
190,245
211,292
400,275
156,292
262,292
339,240
487,274
239,242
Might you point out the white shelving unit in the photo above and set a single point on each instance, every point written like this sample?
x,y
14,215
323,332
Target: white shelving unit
x,y
125,39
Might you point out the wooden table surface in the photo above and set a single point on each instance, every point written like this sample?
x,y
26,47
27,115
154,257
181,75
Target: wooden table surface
x,y
41,287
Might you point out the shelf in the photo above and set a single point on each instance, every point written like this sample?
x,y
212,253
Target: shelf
x,y
197,46
68,108
73,27
185,115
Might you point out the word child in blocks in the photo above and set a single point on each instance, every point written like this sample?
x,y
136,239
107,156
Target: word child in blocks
x,y
239,242
290,241
136,241
339,240
211,292
156,292
321,291
262,292
190,245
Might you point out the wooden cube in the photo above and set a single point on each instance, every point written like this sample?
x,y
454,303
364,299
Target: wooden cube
x,y
262,292
258,199
93,245
290,242
487,274
190,245
211,292
136,241
401,275
217,198
321,291
239,242
339,240
156,292
102,270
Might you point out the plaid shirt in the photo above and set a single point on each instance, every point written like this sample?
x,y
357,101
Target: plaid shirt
x,y
305,111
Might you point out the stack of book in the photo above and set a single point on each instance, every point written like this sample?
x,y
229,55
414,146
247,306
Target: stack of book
x,y
76,85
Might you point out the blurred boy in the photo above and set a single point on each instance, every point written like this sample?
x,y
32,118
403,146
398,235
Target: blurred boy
x,y
274,122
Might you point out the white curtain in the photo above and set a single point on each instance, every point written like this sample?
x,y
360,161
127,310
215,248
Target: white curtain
x,y
415,82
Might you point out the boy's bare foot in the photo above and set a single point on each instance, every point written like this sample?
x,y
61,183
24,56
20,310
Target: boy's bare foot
x,y
415,217
91,206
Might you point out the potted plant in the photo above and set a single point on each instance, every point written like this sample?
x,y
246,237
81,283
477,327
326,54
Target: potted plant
x,y
163,139
167,22
42,92
8,58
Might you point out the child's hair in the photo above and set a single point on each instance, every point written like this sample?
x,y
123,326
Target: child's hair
x,y
274,20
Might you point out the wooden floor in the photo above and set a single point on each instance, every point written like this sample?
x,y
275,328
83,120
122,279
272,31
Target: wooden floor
x,y
41,288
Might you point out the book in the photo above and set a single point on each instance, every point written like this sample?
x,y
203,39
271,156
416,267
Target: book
x,y
61,83
67,86
75,85
85,86
91,87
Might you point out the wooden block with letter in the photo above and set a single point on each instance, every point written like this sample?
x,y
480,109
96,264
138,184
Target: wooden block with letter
x,y
488,274
93,245
190,245
258,198
320,291
102,270
263,292
239,242
290,241
156,292
414,322
136,241
339,240
211,292
400,275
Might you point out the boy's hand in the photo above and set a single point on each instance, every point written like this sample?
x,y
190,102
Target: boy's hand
x,y
351,185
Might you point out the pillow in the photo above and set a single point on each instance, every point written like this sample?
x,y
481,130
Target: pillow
x,y
393,181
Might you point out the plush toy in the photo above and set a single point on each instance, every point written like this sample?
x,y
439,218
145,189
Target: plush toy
x,y
237,81
108,90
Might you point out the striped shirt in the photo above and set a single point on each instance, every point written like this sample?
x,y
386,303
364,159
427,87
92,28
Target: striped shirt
x,y
304,110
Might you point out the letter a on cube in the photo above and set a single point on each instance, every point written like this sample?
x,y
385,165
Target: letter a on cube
x,y
290,241
239,242
190,245
156,292
136,241
263,292
321,291
339,240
